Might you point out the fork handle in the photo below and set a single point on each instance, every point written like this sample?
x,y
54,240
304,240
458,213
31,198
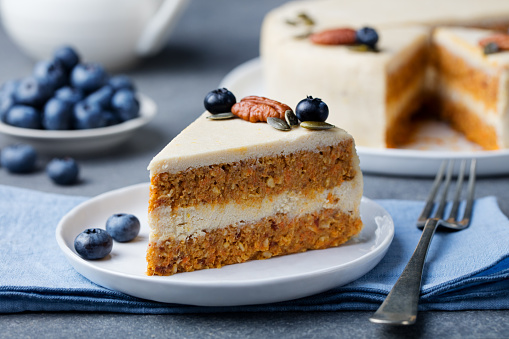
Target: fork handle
x,y
400,306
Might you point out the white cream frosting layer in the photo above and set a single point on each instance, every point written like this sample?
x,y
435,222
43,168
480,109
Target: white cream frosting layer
x,y
193,221
353,84
464,43
399,12
207,142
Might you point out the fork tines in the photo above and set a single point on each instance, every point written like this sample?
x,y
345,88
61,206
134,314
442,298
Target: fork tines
x,y
453,214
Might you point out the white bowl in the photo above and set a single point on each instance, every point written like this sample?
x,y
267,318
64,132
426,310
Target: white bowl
x,y
77,142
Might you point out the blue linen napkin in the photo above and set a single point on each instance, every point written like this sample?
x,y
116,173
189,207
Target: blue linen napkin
x,y
466,270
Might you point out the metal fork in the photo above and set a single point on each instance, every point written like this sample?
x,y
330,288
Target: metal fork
x,y
400,306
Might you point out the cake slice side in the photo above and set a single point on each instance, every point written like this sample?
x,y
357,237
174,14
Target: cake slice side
x,y
255,207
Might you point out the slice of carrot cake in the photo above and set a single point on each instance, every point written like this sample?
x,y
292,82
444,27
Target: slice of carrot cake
x,y
225,192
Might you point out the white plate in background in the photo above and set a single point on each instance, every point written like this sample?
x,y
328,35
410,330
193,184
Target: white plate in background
x,y
254,282
422,158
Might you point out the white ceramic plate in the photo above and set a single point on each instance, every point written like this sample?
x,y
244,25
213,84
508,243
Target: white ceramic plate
x,y
422,158
255,282
76,142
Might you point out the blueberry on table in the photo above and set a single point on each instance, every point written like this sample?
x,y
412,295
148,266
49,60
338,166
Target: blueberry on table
x,y
88,115
88,77
121,81
367,36
57,115
51,73
63,171
123,227
219,100
312,109
69,94
67,56
23,116
32,92
93,243
125,104
18,158
102,96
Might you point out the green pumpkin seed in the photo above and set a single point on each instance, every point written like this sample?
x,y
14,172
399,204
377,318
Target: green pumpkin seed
x,y
306,19
221,116
291,118
316,125
303,36
363,48
278,124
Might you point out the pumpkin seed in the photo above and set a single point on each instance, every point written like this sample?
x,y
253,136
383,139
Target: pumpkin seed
x,y
306,19
221,116
278,124
291,118
316,125
304,35
363,48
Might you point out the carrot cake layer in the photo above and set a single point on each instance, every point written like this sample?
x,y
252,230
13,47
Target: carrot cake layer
x,y
254,179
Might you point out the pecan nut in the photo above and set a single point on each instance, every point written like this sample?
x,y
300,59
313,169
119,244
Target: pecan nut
x,y
255,109
337,36
500,39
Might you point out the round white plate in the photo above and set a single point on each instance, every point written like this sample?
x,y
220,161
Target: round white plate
x,y
254,282
75,142
435,141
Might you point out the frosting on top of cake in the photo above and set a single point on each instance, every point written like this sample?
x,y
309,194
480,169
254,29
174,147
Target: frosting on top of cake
x,y
399,12
206,142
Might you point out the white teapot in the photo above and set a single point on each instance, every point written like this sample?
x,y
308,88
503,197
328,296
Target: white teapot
x,y
116,33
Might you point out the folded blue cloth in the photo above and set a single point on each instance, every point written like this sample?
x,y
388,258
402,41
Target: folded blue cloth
x,y
465,270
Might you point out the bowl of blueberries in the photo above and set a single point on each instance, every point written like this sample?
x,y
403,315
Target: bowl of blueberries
x,y
71,107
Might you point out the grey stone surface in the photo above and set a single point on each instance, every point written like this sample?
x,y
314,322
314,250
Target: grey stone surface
x,y
212,38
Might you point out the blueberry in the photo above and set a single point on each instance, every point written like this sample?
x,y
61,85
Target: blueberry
x,y
6,102
102,96
312,109
23,116
67,56
88,115
63,171
69,94
88,77
18,158
9,87
367,36
123,227
57,115
111,118
32,92
125,104
219,100
51,73
121,82
93,243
